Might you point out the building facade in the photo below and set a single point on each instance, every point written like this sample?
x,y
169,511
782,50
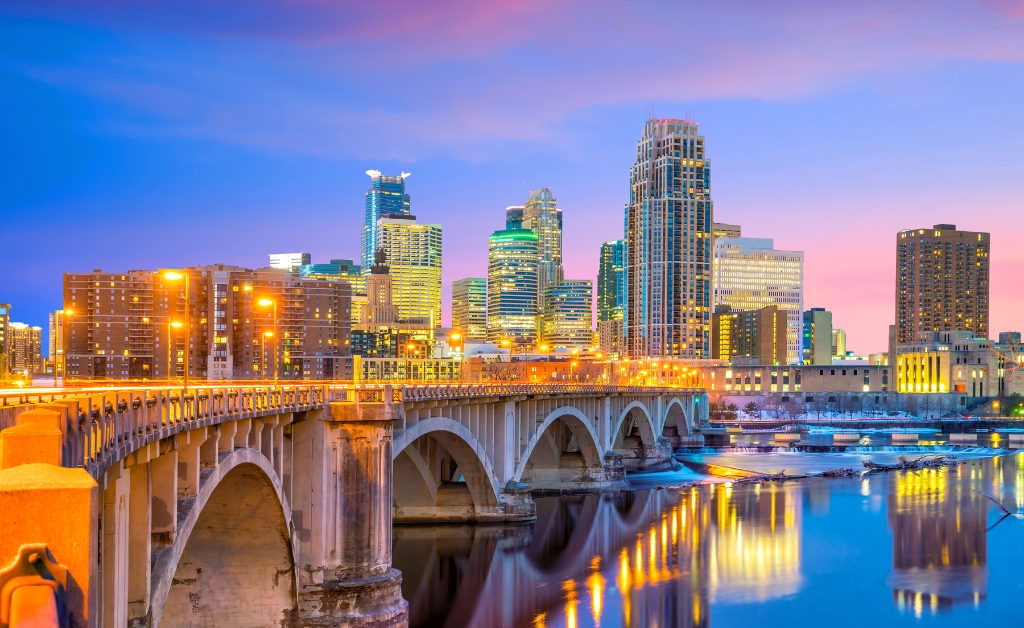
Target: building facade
x,y
750,274
469,308
56,340
25,349
5,340
413,252
568,319
611,297
385,196
941,282
542,216
838,344
289,261
512,287
960,363
757,334
135,325
723,230
817,336
669,237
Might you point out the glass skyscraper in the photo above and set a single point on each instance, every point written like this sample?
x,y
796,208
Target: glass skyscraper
x,y
669,235
568,319
413,251
469,307
611,281
541,216
512,287
385,196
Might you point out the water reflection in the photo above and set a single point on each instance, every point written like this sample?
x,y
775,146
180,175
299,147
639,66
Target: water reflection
x,y
677,557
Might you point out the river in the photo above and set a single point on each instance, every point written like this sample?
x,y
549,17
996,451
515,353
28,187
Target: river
x,y
886,549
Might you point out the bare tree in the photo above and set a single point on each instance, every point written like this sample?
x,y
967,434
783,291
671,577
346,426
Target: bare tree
x,y
751,408
506,372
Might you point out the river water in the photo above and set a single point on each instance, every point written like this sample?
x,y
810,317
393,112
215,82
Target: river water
x,y
885,549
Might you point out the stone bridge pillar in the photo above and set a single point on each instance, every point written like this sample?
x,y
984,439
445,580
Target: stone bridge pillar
x,y
342,505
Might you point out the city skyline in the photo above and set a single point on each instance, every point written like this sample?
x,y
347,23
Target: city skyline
x,y
829,154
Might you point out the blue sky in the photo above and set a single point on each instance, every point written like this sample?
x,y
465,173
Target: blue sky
x,y
137,135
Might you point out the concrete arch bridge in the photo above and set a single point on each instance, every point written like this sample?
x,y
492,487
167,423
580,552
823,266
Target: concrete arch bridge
x,y
272,505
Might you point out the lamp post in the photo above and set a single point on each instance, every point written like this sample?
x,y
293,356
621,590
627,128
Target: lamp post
x,y
171,325
272,304
175,276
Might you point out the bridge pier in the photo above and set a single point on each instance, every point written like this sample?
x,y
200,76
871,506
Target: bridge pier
x,y
341,489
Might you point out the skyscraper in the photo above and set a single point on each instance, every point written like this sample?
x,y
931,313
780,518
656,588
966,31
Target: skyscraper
x,y
611,296
25,348
56,339
5,339
750,274
941,281
289,261
669,221
817,336
380,310
469,308
385,196
568,318
759,334
541,216
413,251
512,287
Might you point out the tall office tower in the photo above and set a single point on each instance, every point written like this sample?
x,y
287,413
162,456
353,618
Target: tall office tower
x,y
385,196
514,217
568,319
668,254
289,261
25,348
541,216
121,326
512,287
611,296
759,334
380,310
413,252
941,281
817,335
839,343
722,230
750,274
469,308
5,339
56,340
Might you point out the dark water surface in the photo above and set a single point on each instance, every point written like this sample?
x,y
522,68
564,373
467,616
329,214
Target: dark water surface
x,y
900,548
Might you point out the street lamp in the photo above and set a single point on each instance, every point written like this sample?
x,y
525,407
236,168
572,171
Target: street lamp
x,y
175,276
264,302
171,325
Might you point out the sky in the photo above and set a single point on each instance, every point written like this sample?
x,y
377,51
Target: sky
x,y
145,134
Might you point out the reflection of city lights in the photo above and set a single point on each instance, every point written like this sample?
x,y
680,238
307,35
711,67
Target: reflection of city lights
x,y
596,585
569,586
539,620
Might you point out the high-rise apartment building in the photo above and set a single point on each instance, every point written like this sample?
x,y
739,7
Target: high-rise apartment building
x,y
25,344
385,196
568,319
722,230
669,236
341,270
611,296
750,274
413,252
542,216
133,325
758,334
817,336
5,339
941,281
56,340
469,308
289,261
512,287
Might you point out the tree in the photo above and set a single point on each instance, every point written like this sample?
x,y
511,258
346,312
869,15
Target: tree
x,y
752,408
1014,406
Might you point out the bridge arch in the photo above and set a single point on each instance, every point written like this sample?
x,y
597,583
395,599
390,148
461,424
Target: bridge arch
x,y
415,485
677,417
581,428
232,560
644,423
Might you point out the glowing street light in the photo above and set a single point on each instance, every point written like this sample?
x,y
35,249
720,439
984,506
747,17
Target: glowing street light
x,y
170,326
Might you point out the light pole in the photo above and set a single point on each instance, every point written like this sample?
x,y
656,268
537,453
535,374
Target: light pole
x,y
175,276
171,325
272,304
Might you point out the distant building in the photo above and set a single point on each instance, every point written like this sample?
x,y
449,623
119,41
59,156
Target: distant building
x,y
512,287
469,308
5,339
817,336
25,348
56,340
723,230
385,196
379,311
956,362
758,334
941,282
611,296
568,319
750,274
514,217
341,270
669,240
1009,337
289,261
413,252
542,216
838,343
